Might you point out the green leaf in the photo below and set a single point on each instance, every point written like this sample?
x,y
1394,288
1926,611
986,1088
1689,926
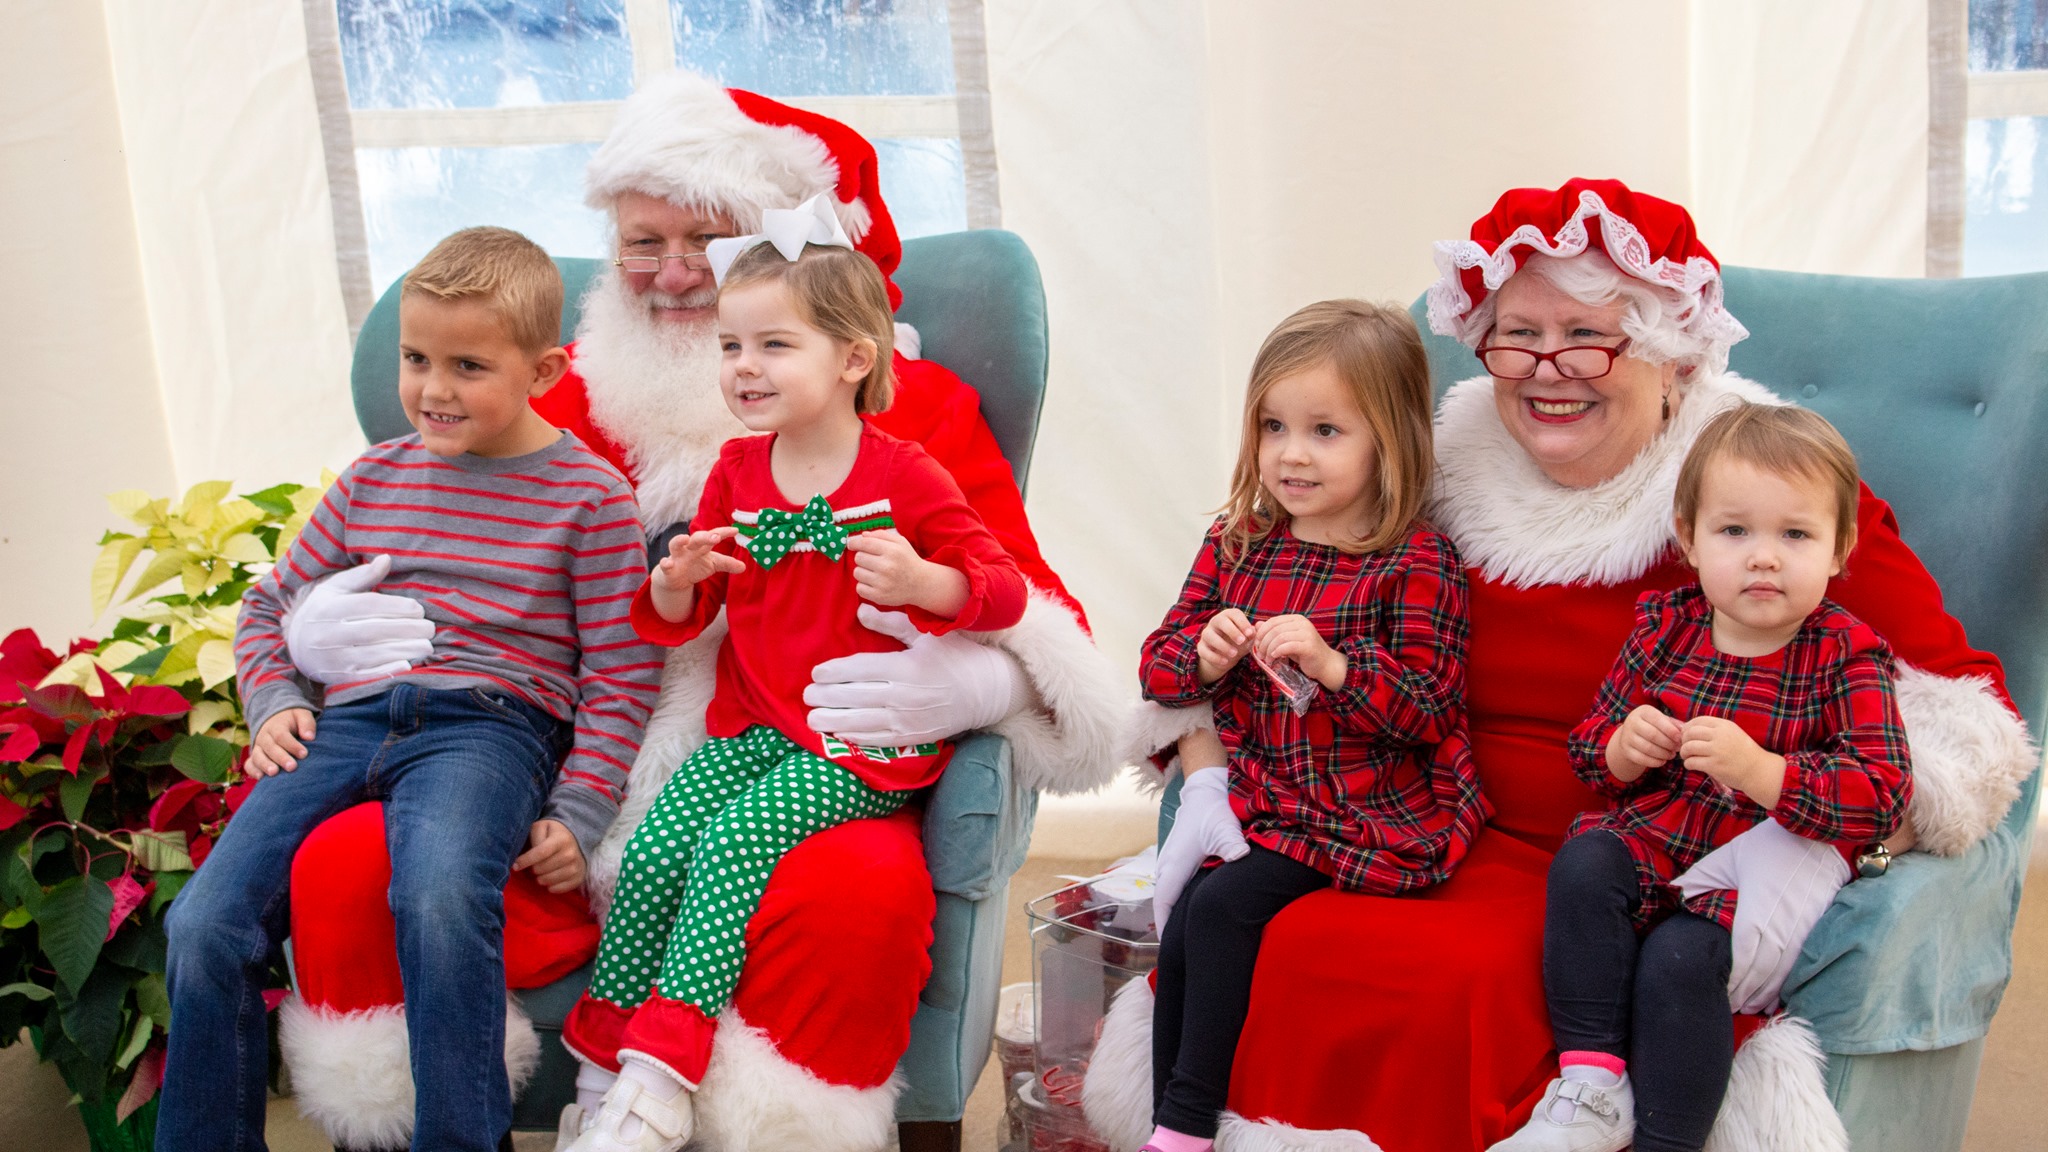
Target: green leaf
x,y
16,917
137,1041
74,791
161,851
275,500
71,927
206,759
128,628
147,663
93,1019
151,1000
168,885
32,991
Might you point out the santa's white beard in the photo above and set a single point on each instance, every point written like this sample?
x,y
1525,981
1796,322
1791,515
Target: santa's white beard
x,y
653,389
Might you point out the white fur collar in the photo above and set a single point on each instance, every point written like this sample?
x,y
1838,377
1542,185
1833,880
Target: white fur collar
x,y
1522,528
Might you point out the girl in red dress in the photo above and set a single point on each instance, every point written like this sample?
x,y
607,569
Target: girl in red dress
x,y
1345,729
796,534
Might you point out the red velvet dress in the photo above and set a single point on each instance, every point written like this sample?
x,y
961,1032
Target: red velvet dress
x,y
1428,1030
838,951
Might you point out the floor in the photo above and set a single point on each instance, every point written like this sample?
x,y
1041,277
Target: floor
x,y
34,1115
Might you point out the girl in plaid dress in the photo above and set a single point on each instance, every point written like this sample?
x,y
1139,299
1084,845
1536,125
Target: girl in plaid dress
x,y
1359,777
1743,699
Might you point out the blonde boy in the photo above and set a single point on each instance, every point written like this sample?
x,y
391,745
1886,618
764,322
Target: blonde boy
x,y
523,547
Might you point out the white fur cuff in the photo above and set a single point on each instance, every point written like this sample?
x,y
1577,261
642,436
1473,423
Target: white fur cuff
x,y
1074,745
1970,756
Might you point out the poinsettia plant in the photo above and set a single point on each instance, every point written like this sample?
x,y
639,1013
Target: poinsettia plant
x,y
119,765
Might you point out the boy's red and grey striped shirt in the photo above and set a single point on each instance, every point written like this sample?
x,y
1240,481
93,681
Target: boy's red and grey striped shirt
x,y
526,566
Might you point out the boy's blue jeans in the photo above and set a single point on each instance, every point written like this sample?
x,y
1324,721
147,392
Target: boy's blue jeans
x,y
462,775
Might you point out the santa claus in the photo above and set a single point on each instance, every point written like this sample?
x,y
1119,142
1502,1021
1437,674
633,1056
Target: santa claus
x,y
837,953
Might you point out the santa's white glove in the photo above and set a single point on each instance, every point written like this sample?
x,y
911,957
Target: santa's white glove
x,y
1203,827
339,630
1785,882
934,689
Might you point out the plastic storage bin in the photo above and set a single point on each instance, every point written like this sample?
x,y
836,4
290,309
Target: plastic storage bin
x,y
1085,944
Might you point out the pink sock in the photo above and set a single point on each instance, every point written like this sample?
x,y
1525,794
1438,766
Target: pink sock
x,y
1167,1140
1596,1068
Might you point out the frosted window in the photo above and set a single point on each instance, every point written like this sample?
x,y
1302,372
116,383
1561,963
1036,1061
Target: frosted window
x,y
923,186
483,53
412,197
2006,229
2008,34
818,47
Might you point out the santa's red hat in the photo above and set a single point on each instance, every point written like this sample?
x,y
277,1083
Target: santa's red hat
x,y
1647,238
687,140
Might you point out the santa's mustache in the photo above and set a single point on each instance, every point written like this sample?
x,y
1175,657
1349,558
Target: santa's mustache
x,y
701,298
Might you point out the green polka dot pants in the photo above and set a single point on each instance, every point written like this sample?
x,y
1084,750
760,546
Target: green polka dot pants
x,y
694,871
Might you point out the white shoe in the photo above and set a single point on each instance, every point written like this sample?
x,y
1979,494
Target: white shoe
x,y
1602,1120
664,1125
569,1127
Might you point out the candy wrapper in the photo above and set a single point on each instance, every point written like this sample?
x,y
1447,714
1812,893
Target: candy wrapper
x,y
1293,683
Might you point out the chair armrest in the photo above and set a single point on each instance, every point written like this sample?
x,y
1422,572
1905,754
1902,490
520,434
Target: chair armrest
x,y
1916,959
977,820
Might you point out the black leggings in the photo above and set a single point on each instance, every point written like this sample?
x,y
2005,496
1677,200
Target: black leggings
x,y
1660,1002
1206,959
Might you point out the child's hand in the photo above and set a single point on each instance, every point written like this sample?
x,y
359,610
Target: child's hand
x,y
1721,749
554,856
1224,641
1294,638
1646,739
280,743
691,559
887,570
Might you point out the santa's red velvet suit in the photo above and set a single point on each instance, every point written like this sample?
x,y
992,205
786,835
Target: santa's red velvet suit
x,y
838,952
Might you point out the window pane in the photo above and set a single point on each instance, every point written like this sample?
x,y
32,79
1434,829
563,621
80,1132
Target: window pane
x,y
923,185
412,197
2008,34
2006,229
483,53
819,47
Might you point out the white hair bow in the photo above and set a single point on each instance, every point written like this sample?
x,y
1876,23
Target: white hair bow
x,y
789,229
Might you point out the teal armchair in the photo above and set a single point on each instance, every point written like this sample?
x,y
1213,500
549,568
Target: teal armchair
x,y
978,303
1941,386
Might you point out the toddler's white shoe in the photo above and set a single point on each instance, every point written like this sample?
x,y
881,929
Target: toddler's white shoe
x,y
1600,1120
569,1127
656,1125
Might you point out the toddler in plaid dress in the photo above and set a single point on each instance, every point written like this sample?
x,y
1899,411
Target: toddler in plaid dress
x,y
806,330
1320,561
1746,698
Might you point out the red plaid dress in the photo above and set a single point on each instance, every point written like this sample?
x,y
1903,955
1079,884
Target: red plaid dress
x,y
1374,786
1824,702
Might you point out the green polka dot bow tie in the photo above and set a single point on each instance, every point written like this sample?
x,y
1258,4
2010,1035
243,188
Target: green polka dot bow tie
x,y
779,531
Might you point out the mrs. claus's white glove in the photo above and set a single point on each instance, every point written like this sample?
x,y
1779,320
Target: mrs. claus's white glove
x,y
1204,827
340,630
1785,882
935,688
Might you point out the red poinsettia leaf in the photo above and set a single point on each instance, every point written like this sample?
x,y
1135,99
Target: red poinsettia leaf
x,y
237,794
23,662
127,896
82,644
11,813
60,701
149,1076
272,997
156,700
21,743
170,812
74,748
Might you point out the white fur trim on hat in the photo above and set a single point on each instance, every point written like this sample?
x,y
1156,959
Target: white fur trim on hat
x,y
352,1071
1116,1089
1970,756
754,1099
682,138
1777,1095
1697,280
